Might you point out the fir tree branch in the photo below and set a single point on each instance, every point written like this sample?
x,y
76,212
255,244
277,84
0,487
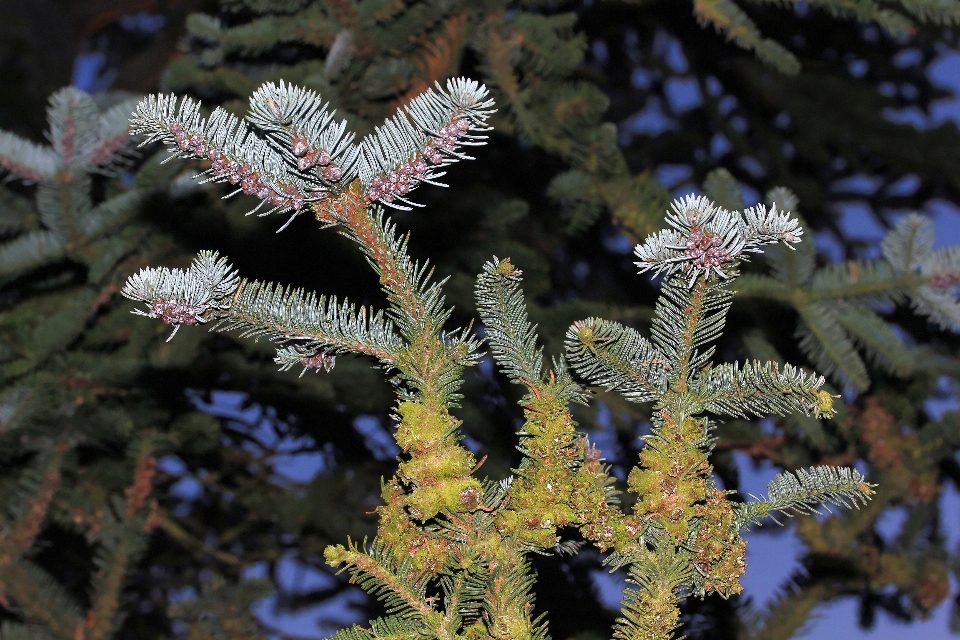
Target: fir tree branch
x,y
434,360
833,301
396,583
804,491
122,538
508,606
617,358
761,389
876,337
195,296
113,139
732,21
513,340
824,341
30,250
29,505
651,612
26,160
74,120
425,135
789,614
323,323
237,154
211,291
42,600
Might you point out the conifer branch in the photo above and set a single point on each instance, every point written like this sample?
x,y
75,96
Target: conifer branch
x,y
30,250
26,160
236,153
210,290
389,628
30,503
408,149
762,389
728,18
41,600
708,240
513,340
401,588
323,323
434,360
122,539
683,536
74,127
805,491
732,21
194,296
617,358
836,302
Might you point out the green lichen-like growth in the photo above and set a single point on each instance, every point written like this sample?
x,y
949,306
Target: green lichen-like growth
x,y
442,530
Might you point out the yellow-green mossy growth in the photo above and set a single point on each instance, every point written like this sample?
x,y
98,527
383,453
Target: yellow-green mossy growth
x,y
476,631
420,428
439,468
540,499
602,523
718,550
656,614
511,626
427,552
455,495
670,478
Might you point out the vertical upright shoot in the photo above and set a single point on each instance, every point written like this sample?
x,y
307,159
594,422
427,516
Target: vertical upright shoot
x,y
441,529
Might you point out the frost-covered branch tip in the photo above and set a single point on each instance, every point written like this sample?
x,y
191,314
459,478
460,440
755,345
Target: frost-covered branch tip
x,y
709,240
292,151
411,147
179,297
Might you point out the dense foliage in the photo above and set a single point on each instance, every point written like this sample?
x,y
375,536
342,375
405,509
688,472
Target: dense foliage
x,y
233,501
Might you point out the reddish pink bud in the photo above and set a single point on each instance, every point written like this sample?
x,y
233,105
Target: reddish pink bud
x,y
299,146
323,158
175,128
173,312
332,173
276,199
307,161
320,361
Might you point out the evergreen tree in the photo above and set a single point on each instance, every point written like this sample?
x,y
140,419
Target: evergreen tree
x,y
442,528
554,93
557,76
